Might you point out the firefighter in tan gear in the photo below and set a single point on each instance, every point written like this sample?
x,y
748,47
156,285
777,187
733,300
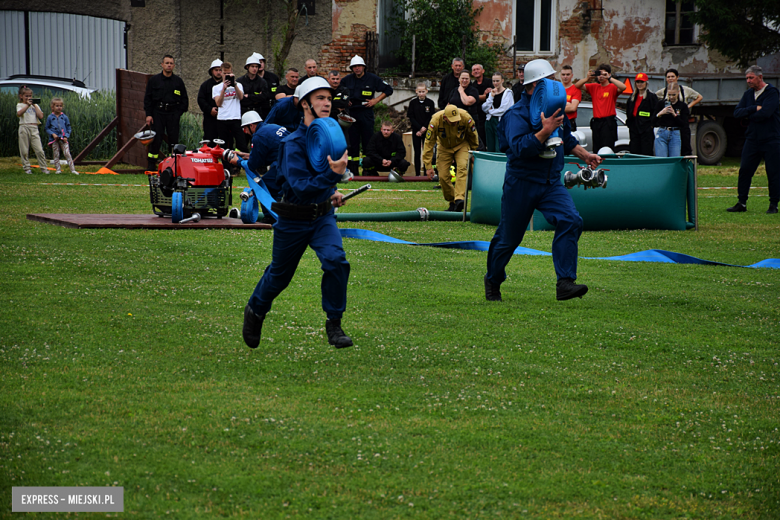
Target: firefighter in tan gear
x,y
456,134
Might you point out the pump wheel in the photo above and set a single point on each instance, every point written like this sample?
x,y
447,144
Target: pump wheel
x,y
177,207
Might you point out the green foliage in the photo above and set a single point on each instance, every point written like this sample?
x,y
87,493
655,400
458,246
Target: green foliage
x,y
88,117
742,31
440,28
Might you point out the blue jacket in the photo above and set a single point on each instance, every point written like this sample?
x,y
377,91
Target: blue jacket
x,y
286,114
517,140
57,125
362,89
764,124
265,152
300,183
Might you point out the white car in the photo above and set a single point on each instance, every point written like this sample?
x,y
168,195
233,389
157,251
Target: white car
x,y
38,84
585,136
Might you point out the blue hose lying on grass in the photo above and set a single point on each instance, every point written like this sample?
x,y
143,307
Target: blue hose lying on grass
x,y
651,255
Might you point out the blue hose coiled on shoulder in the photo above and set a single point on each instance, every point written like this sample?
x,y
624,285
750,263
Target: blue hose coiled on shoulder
x,y
549,95
325,138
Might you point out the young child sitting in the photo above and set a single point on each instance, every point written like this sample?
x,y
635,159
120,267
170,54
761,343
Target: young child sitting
x,y
58,130
385,152
29,115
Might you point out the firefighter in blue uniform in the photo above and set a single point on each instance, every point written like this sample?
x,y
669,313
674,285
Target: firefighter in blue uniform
x,y
266,139
532,182
306,219
362,86
285,113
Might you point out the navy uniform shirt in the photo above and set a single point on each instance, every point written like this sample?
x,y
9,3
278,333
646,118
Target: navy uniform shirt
x,y
299,182
265,152
286,114
764,124
362,89
517,139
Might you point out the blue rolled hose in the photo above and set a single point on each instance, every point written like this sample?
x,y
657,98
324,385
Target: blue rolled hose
x,y
250,208
325,138
549,95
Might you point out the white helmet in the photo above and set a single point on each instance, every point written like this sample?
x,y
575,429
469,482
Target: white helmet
x,y
258,56
312,84
536,70
215,63
357,60
253,60
251,117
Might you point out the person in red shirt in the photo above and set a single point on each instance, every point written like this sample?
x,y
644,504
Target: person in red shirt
x,y
604,94
573,95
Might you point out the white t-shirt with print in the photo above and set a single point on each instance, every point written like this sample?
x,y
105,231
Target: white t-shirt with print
x,y
231,105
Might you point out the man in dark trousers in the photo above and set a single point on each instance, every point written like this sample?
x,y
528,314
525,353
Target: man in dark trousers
x,y
386,152
362,86
482,85
256,91
164,103
420,112
760,106
450,82
533,182
306,219
273,84
207,104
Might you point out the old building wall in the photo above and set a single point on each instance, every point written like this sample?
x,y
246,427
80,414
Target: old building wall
x,y
196,32
351,19
629,35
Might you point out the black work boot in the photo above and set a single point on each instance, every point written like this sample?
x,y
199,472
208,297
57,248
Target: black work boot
x,y
151,165
492,291
459,206
452,206
336,336
253,326
739,207
566,289
772,209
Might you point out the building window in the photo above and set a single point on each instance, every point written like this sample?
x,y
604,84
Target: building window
x,y
680,28
534,25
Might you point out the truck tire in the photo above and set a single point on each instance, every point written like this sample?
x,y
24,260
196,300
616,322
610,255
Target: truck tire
x,y
711,142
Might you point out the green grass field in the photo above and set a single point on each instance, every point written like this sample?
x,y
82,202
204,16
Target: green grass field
x,y
656,396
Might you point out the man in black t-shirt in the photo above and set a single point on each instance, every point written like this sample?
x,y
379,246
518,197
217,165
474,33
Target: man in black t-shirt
x,y
289,89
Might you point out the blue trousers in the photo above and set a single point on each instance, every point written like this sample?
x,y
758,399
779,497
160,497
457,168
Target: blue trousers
x,y
518,202
291,238
668,143
752,153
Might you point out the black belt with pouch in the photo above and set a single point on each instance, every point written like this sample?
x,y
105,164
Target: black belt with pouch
x,y
301,212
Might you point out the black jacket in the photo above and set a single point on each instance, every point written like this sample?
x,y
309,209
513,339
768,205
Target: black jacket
x,y
448,84
671,121
340,102
391,148
420,113
764,124
458,102
205,101
643,121
169,91
256,93
273,85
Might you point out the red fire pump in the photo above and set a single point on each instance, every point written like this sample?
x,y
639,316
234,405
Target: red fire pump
x,y
191,181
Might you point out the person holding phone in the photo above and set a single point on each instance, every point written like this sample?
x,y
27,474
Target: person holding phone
x,y
670,115
228,95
